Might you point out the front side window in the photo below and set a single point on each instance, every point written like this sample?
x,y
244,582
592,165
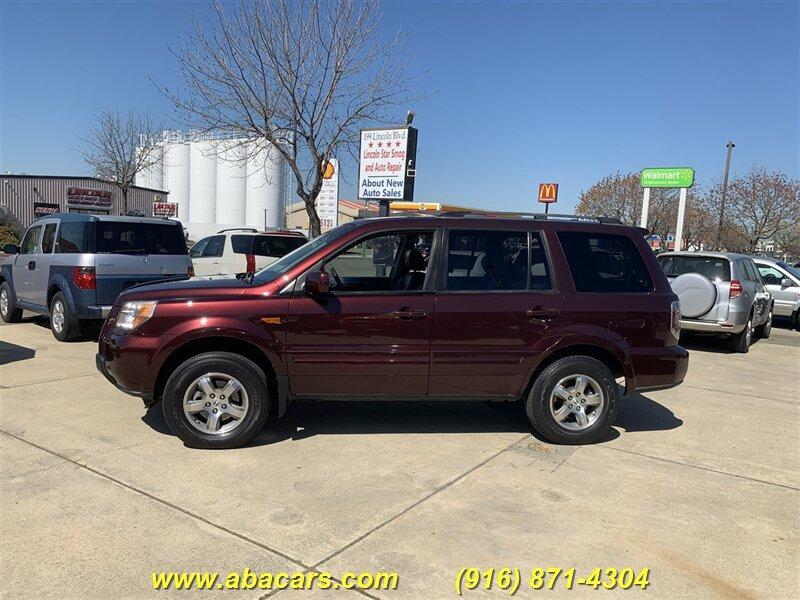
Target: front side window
x,y
49,238
605,263
770,275
396,261
73,238
215,246
31,241
491,261
199,247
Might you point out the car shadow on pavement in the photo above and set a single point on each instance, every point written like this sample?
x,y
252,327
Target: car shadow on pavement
x,y
711,343
12,353
307,419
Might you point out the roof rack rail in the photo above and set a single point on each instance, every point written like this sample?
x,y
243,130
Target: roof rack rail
x,y
565,217
511,215
249,229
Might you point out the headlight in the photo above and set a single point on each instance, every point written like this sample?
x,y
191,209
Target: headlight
x,y
134,314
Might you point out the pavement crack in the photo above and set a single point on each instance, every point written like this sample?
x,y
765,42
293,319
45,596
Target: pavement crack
x,y
409,508
702,468
163,502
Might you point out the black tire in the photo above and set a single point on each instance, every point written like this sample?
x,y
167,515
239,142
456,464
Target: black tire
x,y
740,342
9,311
797,320
69,328
538,407
226,364
765,329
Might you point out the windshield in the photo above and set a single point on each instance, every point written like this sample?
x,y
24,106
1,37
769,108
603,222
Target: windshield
x,y
125,237
789,269
282,265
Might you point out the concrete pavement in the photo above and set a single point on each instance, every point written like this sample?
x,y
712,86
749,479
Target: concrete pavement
x,y
699,483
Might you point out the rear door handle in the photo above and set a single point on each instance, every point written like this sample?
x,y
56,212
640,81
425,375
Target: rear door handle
x,y
542,313
32,265
410,315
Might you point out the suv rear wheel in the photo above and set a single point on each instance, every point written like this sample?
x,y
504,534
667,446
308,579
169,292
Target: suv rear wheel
x,y
765,328
740,342
575,400
9,311
216,400
64,325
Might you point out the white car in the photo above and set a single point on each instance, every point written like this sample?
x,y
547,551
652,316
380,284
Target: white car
x,y
233,251
784,283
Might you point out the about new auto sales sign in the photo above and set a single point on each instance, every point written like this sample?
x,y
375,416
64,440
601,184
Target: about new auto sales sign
x,y
382,163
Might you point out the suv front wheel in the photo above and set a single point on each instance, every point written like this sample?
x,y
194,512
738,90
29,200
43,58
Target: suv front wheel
x,y
216,400
575,400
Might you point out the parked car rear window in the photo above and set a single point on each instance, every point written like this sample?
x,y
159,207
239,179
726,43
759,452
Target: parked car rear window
x,y
605,263
274,246
715,268
73,238
120,237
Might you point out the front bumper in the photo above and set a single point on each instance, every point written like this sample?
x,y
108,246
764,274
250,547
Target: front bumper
x,y
659,369
100,363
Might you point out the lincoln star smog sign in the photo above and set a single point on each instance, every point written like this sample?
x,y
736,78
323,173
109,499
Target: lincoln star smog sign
x,y
667,177
386,164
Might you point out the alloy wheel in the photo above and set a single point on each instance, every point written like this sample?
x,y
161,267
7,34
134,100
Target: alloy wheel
x,y
4,302
577,402
215,403
58,316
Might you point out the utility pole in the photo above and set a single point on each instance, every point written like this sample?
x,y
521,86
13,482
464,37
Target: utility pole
x,y
730,146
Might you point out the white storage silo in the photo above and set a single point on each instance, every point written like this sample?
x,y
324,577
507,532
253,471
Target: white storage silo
x,y
231,183
202,181
264,189
152,175
176,176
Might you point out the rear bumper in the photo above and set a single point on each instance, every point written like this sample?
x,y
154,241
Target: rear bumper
x,y
712,326
659,369
93,312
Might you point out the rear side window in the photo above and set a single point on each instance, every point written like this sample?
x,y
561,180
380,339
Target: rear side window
x,y
266,245
605,263
716,269
487,260
31,240
121,237
49,238
72,238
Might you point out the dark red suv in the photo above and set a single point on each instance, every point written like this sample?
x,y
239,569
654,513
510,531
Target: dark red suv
x,y
545,310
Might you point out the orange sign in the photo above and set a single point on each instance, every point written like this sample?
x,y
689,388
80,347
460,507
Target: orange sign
x,y
548,193
329,171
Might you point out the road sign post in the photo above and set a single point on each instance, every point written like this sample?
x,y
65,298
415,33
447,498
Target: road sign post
x,y
671,178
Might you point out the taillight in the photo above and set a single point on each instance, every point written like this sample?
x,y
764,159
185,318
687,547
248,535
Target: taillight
x,y
251,263
84,278
736,289
190,271
675,319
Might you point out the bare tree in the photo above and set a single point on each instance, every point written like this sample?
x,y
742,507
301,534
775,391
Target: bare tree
x,y
760,206
117,147
618,196
300,76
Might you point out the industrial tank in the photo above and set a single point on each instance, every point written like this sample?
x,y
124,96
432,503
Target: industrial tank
x,y
176,176
231,183
202,181
152,176
264,188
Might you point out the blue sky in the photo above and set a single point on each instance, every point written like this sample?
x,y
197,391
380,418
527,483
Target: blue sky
x,y
518,93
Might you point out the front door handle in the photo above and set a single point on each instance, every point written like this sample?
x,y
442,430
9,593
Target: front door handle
x,y
32,265
407,314
542,313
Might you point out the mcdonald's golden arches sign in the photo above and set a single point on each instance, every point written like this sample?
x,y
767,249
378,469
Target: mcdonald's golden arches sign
x,y
548,192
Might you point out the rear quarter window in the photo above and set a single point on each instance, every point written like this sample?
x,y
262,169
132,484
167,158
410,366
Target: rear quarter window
x,y
605,263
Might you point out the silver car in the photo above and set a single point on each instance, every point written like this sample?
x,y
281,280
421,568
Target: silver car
x,y
783,281
72,267
720,293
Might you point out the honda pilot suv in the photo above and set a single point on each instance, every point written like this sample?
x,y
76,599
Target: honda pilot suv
x,y
550,311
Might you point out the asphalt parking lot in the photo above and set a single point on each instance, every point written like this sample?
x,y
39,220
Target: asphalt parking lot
x,y
700,483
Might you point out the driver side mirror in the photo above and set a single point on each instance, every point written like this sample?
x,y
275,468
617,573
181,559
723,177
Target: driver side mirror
x,y
317,283
786,282
11,249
